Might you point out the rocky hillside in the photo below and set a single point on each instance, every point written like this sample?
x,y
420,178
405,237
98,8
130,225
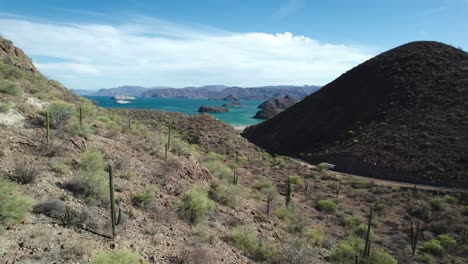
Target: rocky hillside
x,y
15,56
401,115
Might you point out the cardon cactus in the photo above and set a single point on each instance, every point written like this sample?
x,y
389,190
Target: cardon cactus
x,y
116,219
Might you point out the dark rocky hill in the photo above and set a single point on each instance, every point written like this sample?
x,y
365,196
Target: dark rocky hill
x,y
15,56
401,115
280,103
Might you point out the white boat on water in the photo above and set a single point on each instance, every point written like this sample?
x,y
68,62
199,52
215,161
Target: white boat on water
x,y
122,102
123,97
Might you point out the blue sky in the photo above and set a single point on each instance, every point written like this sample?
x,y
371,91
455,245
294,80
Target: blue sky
x,y
94,44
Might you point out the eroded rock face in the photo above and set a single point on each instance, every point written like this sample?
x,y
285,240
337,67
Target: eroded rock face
x,y
212,109
15,56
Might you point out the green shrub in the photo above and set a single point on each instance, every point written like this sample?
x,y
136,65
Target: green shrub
x,y
346,250
196,204
60,113
219,169
438,204
297,223
226,194
354,221
426,258
60,167
326,205
13,205
295,179
122,256
362,184
379,256
4,108
450,199
434,247
91,174
314,236
361,231
284,213
82,130
244,238
421,210
144,199
446,240
11,88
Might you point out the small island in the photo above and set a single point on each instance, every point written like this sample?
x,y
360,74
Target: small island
x,y
233,104
212,109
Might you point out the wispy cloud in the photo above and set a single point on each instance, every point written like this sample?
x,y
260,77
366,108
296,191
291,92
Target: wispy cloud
x,y
153,52
288,8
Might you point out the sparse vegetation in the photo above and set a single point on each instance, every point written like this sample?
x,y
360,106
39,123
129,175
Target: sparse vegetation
x,y
144,199
13,205
196,204
24,173
91,175
122,256
10,88
326,205
60,113
4,108
226,194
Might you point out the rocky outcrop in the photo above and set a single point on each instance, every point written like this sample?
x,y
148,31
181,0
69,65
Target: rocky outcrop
x,y
212,109
15,56
233,104
231,98
267,113
273,106
280,103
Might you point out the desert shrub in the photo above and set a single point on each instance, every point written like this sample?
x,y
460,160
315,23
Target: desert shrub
x,y
122,256
196,204
283,213
4,108
314,236
13,205
297,223
379,256
433,247
437,204
346,250
82,130
219,169
426,258
91,174
75,250
24,173
178,146
450,199
295,179
354,221
362,184
446,240
199,254
51,208
144,199
11,88
226,194
244,238
361,231
326,205
297,250
421,210
60,167
60,113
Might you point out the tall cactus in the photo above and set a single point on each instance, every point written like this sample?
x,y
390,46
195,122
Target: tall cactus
x,y
413,237
48,125
168,144
235,179
368,241
288,192
81,116
115,219
336,188
356,259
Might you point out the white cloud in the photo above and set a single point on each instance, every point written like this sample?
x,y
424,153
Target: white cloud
x,y
151,52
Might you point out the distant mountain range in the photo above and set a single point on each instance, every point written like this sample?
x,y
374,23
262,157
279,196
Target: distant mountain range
x,y
217,92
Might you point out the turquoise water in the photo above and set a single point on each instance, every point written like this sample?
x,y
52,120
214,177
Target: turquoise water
x,y
237,115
